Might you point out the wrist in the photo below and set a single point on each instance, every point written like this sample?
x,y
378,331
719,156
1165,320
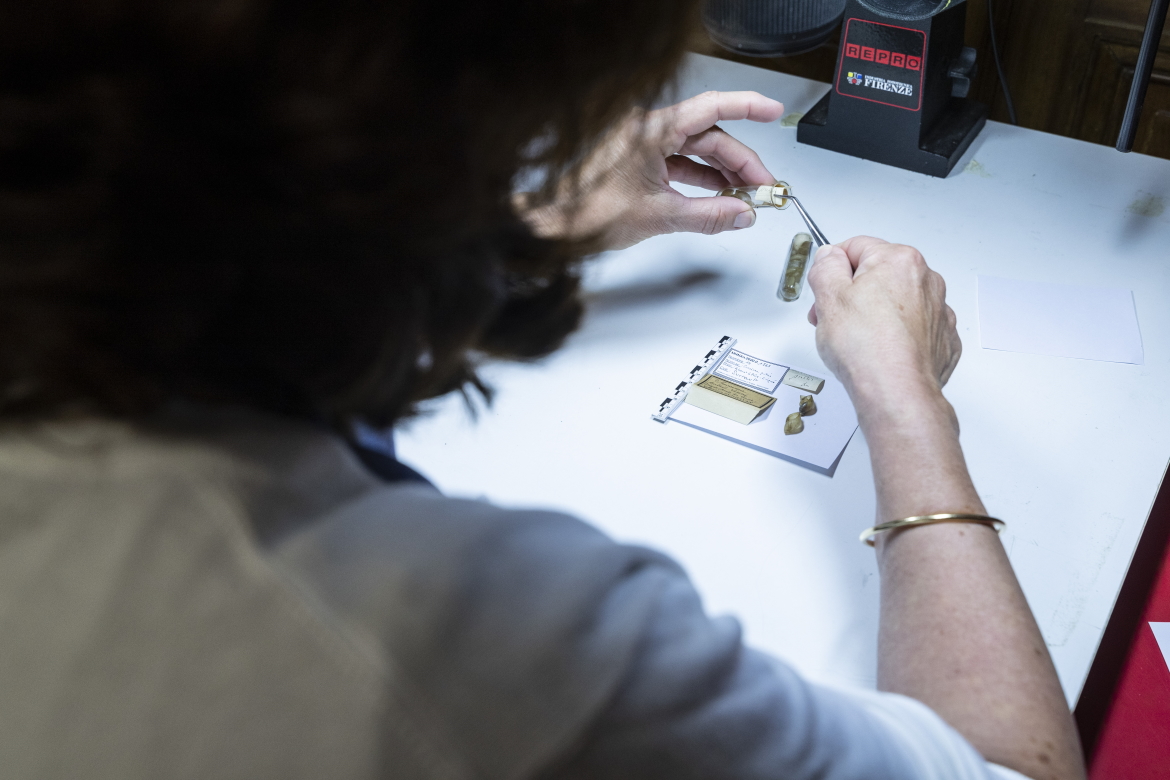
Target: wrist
x,y
913,437
900,401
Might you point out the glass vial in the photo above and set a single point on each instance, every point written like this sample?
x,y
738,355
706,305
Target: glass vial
x,y
767,196
792,282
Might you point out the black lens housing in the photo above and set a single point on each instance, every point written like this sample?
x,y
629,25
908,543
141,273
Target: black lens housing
x,y
772,28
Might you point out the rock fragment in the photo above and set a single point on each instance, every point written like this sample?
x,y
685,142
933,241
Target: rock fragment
x,y
794,424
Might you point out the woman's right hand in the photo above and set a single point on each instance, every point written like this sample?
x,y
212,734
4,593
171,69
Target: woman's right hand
x,y
882,318
955,629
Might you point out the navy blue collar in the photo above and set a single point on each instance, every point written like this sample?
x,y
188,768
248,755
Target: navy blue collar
x,y
386,467
375,449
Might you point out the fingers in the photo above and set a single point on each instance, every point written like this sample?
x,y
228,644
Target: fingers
x,y
831,270
812,314
859,246
697,117
710,215
738,162
686,171
702,111
733,178
873,297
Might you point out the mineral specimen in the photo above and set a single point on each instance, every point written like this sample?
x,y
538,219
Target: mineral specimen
x,y
808,407
794,424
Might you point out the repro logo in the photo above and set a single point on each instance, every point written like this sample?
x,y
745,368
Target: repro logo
x,y
884,57
893,59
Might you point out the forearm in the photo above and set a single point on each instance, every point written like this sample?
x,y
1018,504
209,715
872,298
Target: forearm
x,y
956,632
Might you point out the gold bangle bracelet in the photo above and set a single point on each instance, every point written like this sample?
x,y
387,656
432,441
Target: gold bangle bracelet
x,y
909,522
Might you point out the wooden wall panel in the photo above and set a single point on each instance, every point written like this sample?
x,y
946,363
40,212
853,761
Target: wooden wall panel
x,y
1106,92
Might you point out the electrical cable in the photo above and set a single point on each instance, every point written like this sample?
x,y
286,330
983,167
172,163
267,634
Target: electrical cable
x,y
1141,74
1007,95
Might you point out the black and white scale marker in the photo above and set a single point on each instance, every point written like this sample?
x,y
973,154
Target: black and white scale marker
x,y
679,393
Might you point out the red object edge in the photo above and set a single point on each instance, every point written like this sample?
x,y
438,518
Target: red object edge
x,y
1123,713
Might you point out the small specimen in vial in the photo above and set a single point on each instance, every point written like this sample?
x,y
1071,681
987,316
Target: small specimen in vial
x,y
792,282
768,196
793,424
808,407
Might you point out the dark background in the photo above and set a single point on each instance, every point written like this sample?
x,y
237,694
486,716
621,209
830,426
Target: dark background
x,y
1069,64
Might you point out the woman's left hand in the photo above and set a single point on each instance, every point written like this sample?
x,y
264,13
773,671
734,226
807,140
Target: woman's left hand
x,y
624,193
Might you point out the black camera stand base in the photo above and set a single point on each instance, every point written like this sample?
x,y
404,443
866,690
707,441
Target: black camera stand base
x,y
898,96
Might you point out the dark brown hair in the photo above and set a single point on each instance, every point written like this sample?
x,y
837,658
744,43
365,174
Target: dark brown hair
x,y
298,206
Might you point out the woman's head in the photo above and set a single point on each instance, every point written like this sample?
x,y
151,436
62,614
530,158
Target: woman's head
x,y
298,206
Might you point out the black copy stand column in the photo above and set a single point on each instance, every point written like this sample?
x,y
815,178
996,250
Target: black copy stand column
x,y
893,98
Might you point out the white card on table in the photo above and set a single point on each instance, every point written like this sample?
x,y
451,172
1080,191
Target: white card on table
x,y
1063,320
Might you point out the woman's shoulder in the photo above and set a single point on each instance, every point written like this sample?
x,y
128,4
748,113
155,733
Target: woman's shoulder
x,y
476,605
407,554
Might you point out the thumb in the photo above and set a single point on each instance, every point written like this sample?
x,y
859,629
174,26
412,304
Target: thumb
x,y
711,215
830,271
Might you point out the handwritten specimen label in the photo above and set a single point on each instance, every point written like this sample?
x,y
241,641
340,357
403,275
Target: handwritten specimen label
x,y
751,371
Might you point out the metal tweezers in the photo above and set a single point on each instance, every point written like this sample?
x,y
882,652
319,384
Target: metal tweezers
x,y
817,235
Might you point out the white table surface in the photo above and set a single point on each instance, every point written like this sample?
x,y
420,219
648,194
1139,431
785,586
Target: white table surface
x,y
1069,452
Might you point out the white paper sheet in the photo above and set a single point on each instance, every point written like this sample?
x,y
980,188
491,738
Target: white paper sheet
x,y
1162,634
1064,320
820,444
